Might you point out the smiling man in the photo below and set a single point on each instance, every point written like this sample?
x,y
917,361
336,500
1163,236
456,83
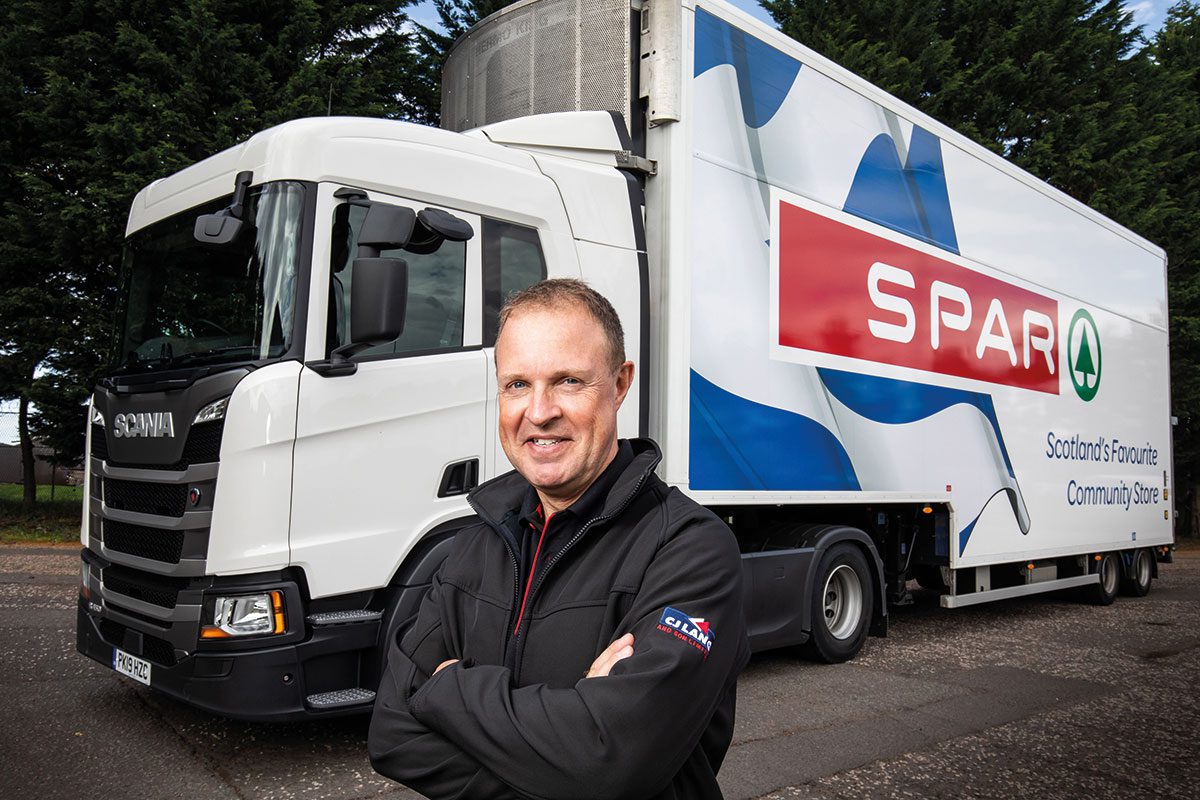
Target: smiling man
x,y
584,639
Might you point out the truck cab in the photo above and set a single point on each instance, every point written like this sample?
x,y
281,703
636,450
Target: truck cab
x,y
267,495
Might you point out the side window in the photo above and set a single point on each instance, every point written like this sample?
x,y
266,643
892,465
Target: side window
x,y
512,260
436,285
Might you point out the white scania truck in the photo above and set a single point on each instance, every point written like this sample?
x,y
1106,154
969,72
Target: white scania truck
x,y
880,352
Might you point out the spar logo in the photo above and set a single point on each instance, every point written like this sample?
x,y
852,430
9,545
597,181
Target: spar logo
x,y
848,288
1083,355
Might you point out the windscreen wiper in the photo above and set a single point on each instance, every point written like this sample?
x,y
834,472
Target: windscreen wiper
x,y
198,355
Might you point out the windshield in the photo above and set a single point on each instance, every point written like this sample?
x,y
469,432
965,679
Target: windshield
x,y
184,304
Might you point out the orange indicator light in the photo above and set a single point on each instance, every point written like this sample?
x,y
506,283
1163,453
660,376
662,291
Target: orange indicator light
x,y
277,605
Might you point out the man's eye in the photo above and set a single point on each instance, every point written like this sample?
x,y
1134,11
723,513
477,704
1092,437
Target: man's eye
x,y
571,381
516,386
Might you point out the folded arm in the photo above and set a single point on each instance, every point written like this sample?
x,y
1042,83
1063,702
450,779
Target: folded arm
x,y
624,734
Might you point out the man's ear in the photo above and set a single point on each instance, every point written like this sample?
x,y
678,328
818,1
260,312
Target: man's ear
x,y
624,381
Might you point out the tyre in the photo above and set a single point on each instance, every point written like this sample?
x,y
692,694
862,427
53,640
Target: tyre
x,y
1137,583
1109,568
842,598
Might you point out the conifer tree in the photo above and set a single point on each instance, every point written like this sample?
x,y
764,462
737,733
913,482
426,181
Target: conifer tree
x,y
103,97
1173,224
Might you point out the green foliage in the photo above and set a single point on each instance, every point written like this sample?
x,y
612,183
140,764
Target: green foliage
x,y
1176,52
455,17
55,519
103,97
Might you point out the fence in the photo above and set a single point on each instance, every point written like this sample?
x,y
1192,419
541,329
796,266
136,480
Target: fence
x,y
44,472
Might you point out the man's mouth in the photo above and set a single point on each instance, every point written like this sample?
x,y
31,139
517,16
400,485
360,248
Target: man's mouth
x,y
545,441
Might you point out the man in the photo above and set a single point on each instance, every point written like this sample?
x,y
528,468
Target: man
x,y
584,639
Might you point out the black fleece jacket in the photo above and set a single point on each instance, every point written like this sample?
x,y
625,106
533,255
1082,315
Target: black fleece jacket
x,y
652,563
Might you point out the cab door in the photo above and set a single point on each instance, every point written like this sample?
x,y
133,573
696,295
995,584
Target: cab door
x,y
388,452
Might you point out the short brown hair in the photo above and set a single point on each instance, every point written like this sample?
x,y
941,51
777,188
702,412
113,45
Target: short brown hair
x,y
557,292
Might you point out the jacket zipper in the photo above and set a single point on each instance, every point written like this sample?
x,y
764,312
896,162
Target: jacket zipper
x,y
532,571
520,642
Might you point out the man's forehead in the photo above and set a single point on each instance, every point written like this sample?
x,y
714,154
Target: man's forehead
x,y
568,309
541,324
551,340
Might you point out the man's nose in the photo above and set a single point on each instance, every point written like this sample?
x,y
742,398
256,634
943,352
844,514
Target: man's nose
x,y
543,407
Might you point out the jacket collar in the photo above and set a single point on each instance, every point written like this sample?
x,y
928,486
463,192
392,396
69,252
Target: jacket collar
x,y
500,498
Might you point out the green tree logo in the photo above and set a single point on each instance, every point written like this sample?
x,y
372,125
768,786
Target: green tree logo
x,y
1084,361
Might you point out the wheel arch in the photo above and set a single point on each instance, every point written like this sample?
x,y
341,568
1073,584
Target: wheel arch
x,y
821,537
411,581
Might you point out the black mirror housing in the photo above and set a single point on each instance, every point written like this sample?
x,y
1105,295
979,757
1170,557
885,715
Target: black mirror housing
x,y
225,227
378,298
218,230
386,227
435,226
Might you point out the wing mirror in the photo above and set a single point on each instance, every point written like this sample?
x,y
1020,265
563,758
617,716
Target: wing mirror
x,y
379,290
226,227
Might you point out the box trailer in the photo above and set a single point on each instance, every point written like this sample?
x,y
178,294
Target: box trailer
x,y
879,351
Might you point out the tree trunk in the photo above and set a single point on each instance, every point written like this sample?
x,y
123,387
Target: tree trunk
x,y
28,477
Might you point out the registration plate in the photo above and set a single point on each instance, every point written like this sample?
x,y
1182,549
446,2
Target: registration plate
x,y
134,667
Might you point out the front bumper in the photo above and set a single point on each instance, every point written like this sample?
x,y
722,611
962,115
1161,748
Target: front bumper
x,y
266,684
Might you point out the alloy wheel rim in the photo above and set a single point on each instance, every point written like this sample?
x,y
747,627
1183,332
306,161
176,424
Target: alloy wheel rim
x,y
843,602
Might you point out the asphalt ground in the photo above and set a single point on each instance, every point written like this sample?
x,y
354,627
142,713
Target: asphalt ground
x,y
1043,697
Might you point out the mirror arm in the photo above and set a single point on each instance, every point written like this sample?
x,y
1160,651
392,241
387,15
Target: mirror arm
x,y
241,185
340,361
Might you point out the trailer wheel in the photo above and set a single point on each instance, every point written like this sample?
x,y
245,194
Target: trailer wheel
x,y
842,599
1137,584
1104,592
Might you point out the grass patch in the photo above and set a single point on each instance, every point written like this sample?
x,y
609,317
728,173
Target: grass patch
x,y
48,521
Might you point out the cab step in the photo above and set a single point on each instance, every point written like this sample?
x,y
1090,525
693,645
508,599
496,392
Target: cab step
x,y
342,698
343,617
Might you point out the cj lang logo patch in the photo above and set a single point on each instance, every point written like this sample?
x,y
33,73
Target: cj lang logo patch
x,y
693,630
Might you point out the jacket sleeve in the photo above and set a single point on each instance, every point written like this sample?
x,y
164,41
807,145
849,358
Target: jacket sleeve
x,y
627,734
404,749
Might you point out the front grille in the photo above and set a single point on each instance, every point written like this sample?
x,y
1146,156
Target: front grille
x,y
203,446
163,499
158,651
99,443
153,648
155,544
153,589
204,443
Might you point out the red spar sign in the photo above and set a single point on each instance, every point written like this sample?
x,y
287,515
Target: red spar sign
x,y
850,292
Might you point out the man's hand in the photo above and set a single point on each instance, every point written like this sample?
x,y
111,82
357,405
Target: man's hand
x,y
621,648
445,664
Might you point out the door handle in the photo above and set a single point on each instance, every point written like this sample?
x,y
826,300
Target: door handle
x,y
459,478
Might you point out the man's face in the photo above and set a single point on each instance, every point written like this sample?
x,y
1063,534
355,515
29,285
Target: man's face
x,y
559,397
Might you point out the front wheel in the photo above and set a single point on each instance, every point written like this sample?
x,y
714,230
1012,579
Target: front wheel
x,y
1140,573
842,598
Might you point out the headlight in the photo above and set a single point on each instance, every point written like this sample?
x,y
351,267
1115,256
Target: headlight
x,y
212,412
246,615
97,417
